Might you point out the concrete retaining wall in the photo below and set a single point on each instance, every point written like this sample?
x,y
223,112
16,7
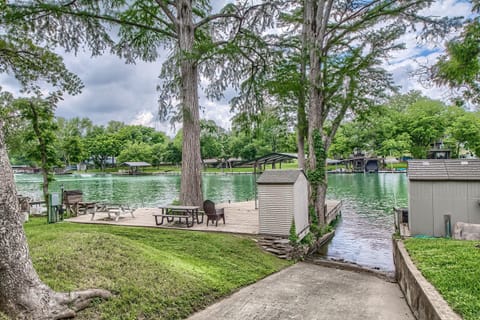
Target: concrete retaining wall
x,y
424,300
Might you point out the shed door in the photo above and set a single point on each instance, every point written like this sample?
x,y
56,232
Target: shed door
x,y
420,208
275,209
448,198
473,202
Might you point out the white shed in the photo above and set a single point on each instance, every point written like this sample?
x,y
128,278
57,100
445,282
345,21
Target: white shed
x,y
283,198
442,193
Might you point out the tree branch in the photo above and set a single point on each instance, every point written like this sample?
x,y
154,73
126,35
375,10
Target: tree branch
x,y
49,9
216,16
170,26
167,11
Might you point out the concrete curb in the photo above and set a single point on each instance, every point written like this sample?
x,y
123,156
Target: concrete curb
x,y
387,276
424,300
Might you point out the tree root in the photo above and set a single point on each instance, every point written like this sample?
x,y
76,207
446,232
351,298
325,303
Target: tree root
x,y
67,304
50,305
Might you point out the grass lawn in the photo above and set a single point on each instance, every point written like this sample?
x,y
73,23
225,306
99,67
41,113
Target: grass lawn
x,y
153,273
453,267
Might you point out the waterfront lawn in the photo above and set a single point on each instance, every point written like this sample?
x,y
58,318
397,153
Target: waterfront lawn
x,y
153,273
453,267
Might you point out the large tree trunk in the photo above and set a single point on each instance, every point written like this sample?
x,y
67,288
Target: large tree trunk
x,y
301,129
302,124
191,183
22,294
316,18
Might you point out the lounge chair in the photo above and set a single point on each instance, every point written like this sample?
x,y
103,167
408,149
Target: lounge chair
x,y
212,213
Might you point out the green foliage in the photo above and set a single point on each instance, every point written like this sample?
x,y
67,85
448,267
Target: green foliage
x,y
212,138
154,274
135,151
262,133
157,156
39,117
73,150
409,124
452,267
465,131
136,133
459,67
248,152
314,227
426,124
325,229
101,145
172,153
308,239
30,63
292,235
317,175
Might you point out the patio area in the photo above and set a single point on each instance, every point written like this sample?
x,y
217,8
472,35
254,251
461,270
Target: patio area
x,y
240,218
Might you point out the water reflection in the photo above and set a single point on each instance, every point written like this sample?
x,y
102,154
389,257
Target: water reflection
x,y
363,234
141,190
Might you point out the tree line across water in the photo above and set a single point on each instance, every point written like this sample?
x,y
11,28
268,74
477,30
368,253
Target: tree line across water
x,y
408,125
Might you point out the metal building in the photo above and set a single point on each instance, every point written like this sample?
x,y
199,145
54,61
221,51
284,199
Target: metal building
x,y
441,193
283,198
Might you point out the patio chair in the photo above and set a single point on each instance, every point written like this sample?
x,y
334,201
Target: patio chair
x,y
212,213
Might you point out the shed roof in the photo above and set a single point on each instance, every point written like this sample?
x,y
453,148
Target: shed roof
x,y
279,176
444,169
137,164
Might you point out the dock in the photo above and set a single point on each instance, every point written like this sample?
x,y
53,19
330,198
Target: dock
x,y
240,218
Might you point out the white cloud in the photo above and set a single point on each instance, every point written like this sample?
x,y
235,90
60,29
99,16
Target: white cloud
x,y
144,118
218,112
402,64
449,8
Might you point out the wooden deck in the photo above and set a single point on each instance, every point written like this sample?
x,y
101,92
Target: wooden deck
x,y
240,218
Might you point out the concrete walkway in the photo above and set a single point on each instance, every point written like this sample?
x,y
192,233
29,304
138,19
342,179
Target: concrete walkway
x,y
310,292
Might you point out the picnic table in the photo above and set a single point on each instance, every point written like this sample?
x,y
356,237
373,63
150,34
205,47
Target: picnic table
x,y
84,208
170,212
114,211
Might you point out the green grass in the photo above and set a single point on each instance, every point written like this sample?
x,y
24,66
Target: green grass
x,y
153,273
453,267
400,165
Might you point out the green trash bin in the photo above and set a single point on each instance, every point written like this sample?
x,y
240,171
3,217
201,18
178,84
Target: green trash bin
x,y
55,209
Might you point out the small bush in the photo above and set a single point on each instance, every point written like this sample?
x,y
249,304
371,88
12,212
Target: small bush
x,y
308,239
293,237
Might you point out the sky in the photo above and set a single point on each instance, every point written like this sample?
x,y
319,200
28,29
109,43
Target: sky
x,y
127,92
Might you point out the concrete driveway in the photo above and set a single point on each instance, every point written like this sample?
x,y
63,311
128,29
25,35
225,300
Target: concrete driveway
x,y
307,291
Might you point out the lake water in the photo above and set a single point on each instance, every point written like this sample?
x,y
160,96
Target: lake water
x,y
141,191
363,234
